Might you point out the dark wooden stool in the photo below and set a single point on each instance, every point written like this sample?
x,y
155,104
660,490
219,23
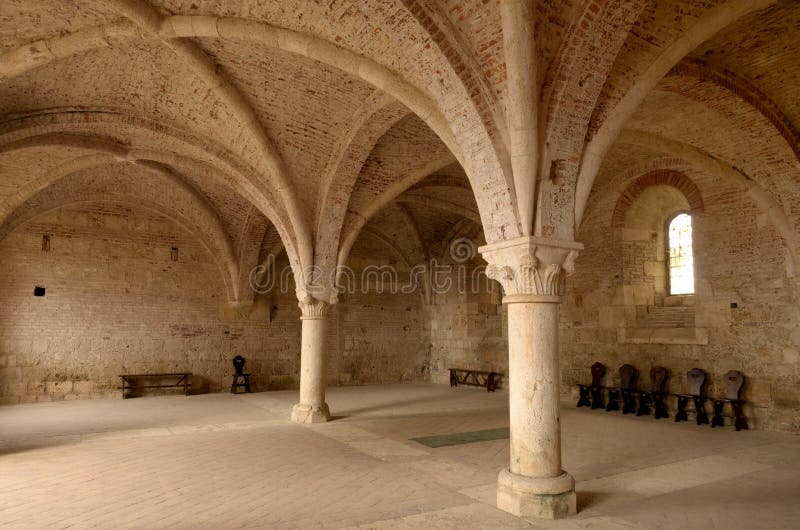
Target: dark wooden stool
x,y
592,395
654,396
627,381
240,378
697,380
734,381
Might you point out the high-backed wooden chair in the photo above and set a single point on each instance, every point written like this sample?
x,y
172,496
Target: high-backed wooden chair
x,y
592,394
240,379
654,396
696,378
734,381
627,389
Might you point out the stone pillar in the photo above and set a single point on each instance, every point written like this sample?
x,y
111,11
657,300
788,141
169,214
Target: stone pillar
x,y
312,407
532,272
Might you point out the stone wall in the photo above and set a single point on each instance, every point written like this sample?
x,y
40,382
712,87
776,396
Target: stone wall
x,y
617,310
743,315
383,340
468,327
115,302
383,335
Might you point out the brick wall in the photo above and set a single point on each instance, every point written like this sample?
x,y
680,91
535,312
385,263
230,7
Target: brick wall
x,y
116,303
383,339
383,335
616,310
468,327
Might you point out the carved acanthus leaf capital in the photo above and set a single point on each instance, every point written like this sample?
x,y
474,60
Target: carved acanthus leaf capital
x,y
531,265
311,307
501,273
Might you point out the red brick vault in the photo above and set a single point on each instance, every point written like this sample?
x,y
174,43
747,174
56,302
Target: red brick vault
x,y
659,177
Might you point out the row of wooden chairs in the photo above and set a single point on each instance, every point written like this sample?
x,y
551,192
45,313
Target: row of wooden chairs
x,y
640,401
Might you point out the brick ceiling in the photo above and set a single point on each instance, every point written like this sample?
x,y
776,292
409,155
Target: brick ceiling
x,y
94,92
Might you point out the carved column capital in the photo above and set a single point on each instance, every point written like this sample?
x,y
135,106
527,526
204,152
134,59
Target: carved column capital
x,y
531,266
313,308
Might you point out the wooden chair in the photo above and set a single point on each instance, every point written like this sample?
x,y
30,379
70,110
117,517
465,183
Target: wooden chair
x,y
734,381
240,379
592,395
696,378
627,383
654,396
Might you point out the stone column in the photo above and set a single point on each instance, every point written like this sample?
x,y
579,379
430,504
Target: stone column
x,y
532,272
312,407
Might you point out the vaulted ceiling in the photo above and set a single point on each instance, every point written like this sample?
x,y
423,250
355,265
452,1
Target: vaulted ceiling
x,y
295,124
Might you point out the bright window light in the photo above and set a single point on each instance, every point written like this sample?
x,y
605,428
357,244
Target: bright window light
x,y
681,262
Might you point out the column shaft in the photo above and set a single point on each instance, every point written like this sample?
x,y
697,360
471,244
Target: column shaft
x,y
534,389
312,407
534,485
312,361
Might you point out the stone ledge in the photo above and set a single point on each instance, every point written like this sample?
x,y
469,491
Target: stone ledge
x,y
645,335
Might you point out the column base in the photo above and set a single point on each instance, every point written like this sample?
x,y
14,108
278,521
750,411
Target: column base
x,y
543,498
308,414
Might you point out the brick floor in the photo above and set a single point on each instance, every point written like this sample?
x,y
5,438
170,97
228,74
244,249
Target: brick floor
x,y
223,461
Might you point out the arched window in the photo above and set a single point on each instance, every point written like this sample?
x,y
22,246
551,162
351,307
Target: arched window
x,y
680,266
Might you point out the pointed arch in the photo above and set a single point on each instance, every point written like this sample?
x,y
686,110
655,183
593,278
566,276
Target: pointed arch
x,y
391,193
716,19
766,202
724,82
657,177
160,27
164,194
56,128
485,169
370,122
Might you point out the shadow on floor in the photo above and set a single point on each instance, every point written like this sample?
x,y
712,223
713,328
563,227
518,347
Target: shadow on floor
x,y
589,499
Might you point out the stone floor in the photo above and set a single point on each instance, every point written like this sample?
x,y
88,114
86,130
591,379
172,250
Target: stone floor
x,y
224,461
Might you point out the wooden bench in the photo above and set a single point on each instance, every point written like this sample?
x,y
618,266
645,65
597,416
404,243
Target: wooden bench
x,y
462,376
172,380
